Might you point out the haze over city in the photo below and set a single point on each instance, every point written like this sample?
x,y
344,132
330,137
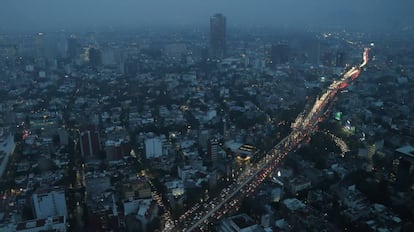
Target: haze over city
x,y
206,115
86,14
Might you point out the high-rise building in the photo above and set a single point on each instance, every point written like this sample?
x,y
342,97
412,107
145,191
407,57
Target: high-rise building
x,y
313,51
130,66
90,142
117,149
73,49
279,54
39,39
340,59
49,203
203,138
63,137
91,39
225,130
217,37
153,148
213,150
94,56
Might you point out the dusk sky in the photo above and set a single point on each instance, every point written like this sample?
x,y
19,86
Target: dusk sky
x,y
45,14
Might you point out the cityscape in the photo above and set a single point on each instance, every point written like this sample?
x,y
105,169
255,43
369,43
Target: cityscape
x,y
211,126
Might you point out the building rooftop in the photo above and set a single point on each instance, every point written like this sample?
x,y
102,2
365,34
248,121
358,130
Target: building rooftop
x,y
406,150
293,204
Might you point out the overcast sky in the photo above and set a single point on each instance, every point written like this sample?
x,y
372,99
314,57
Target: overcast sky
x,y
45,14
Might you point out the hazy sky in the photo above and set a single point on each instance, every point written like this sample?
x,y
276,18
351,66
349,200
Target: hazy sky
x,y
45,14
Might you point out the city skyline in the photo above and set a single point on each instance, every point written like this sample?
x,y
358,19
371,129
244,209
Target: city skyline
x,y
191,115
380,15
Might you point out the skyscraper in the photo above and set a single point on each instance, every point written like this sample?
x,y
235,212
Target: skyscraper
x,y
95,57
313,50
73,48
39,39
279,53
90,142
217,37
213,150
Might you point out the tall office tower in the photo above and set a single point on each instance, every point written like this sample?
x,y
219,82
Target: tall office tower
x,y
225,130
279,53
217,37
213,150
131,67
73,47
95,57
40,45
313,51
91,39
90,142
203,138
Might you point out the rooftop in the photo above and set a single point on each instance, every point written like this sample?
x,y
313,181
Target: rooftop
x,y
406,150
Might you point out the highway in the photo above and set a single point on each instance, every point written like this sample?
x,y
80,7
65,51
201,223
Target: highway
x,y
252,177
232,194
